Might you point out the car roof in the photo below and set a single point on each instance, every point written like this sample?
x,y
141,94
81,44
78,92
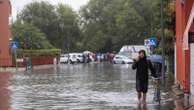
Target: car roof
x,y
75,53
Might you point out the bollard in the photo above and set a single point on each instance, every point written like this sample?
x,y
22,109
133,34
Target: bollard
x,y
28,63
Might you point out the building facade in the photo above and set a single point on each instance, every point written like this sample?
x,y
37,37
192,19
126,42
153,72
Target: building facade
x,y
185,45
5,33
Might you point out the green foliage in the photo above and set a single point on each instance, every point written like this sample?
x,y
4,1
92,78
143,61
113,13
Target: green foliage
x,y
169,26
169,32
101,25
69,33
169,42
58,23
38,52
120,22
42,15
29,37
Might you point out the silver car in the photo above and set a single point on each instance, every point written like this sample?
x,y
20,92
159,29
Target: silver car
x,y
64,58
120,59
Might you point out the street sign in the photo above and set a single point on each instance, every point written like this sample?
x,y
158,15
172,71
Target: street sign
x,y
150,42
153,41
14,45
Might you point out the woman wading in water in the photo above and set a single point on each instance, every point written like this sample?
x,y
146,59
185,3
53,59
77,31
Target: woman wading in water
x,y
142,65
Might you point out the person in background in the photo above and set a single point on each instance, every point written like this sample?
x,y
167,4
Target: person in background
x,y
142,65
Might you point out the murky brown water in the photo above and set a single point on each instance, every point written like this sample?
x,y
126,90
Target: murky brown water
x,y
98,86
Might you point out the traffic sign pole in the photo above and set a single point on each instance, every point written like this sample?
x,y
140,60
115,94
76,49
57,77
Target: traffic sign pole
x,y
14,47
15,54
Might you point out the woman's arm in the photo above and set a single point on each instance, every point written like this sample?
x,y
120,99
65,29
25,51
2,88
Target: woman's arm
x,y
134,65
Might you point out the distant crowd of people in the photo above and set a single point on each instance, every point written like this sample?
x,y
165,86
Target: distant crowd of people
x,y
98,57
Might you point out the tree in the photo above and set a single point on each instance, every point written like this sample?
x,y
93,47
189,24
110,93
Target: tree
x,y
169,25
29,37
69,32
58,23
42,15
121,22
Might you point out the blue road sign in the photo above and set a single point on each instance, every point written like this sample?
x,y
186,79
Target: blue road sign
x,y
14,45
153,41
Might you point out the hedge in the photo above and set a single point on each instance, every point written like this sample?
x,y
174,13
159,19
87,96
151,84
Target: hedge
x,y
39,52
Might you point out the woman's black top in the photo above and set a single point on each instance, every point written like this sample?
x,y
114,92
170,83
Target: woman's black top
x,y
142,72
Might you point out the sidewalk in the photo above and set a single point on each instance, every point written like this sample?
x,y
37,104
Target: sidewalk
x,y
13,69
181,103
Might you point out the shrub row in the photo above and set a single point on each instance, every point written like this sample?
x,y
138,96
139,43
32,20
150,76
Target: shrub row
x,y
36,53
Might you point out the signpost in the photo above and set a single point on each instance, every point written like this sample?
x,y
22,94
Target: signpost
x,y
151,43
14,47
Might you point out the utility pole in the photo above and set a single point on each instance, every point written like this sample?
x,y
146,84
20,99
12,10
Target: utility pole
x,y
162,40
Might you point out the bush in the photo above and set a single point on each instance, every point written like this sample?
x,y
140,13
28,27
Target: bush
x,y
41,52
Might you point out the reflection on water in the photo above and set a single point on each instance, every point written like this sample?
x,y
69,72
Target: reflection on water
x,y
4,92
142,107
98,86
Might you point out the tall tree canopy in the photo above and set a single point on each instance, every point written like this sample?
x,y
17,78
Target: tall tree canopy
x,y
100,25
109,24
58,23
29,37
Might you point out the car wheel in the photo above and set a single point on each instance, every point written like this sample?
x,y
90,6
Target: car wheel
x,y
71,62
123,62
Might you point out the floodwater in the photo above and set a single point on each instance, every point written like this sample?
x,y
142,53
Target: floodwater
x,y
96,86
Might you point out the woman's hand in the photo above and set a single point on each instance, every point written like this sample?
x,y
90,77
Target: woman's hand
x,y
136,59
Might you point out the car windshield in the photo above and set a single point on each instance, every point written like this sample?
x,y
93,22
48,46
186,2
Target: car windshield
x,y
118,57
79,55
126,57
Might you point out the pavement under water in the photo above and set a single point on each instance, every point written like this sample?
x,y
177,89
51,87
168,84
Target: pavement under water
x,y
95,86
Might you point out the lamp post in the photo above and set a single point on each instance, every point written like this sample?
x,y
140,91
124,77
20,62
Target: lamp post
x,y
162,40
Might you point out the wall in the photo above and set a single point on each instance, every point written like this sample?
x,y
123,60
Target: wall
x,y
182,57
192,71
37,61
5,93
5,34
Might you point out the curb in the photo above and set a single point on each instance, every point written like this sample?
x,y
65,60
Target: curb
x,y
21,69
178,96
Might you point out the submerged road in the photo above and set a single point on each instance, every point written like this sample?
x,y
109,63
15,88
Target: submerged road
x,y
96,86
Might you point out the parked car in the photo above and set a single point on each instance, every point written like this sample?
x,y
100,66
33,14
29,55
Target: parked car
x,y
73,58
120,59
64,58
80,57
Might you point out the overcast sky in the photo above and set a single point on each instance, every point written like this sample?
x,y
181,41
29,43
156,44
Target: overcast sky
x,y
17,5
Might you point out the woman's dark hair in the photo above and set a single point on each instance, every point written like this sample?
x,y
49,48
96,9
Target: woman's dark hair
x,y
143,51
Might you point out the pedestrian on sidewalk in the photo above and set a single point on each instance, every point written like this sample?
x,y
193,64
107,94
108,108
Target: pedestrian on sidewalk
x,y
142,66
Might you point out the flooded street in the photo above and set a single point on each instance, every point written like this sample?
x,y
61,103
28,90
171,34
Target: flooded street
x,y
97,86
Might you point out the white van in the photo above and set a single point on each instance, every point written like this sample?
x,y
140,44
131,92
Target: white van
x,y
64,58
73,58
